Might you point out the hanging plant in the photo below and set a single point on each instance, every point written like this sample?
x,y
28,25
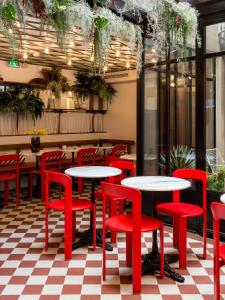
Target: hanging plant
x,y
52,79
87,85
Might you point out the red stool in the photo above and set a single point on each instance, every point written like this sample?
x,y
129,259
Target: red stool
x,y
181,211
133,225
69,205
218,212
9,163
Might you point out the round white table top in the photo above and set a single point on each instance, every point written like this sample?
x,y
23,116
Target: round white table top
x,y
156,183
133,156
93,171
222,198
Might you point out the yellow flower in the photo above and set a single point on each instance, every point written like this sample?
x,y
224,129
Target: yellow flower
x,y
39,131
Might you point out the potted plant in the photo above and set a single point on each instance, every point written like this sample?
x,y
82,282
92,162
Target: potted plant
x,y
87,86
35,139
180,157
52,80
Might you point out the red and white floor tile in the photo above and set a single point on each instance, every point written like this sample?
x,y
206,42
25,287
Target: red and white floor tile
x,y
28,272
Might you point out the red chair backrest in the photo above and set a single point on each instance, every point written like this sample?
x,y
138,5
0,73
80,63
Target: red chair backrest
x,y
125,166
218,212
86,155
51,156
111,191
197,175
118,150
7,160
61,179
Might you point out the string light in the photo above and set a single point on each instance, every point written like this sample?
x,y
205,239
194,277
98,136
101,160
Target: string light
x,y
69,94
92,58
10,31
46,50
105,69
117,53
154,60
128,65
69,62
25,56
71,44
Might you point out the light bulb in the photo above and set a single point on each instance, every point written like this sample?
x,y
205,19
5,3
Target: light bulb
x,y
25,56
105,68
92,58
69,62
117,53
46,51
10,31
172,84
72,44
128,65
154,61
69,93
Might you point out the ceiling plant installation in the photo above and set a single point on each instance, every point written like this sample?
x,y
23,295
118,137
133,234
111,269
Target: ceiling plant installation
x,y
103,27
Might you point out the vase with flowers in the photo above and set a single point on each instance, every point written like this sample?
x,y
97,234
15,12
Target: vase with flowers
x,y
35,139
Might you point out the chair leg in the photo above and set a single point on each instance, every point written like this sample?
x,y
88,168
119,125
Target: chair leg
x,y
113,207
17,190
68,235
136,264
216,278
161,250
46,229
175,232
94,226
74,225
80,185
6,193
31,185
103,251
129,249
204,237
183,243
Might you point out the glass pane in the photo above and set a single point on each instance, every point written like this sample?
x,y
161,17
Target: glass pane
x,y
215,122
151,123
215,38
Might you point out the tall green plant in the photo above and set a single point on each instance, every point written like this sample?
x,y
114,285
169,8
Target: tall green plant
x,y
180,157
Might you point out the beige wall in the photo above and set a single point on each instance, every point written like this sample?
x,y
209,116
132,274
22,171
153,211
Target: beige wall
x,y
119,121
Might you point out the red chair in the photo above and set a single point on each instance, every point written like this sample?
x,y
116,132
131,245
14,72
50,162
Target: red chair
x,y
115,154
133,225
218,212
69,205
181,211
85,157
9,168
50,160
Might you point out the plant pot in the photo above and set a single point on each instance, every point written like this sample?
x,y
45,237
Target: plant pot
x,y
35,144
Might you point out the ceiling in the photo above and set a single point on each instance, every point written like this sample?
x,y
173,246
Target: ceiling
x,y
39,46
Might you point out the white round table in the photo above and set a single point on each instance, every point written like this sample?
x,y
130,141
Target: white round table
x,y
94,173
157,184
222,198
133,157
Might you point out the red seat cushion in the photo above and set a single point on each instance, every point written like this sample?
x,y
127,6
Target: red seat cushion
x,y
179,209
77,204
123,223
222,252
7,177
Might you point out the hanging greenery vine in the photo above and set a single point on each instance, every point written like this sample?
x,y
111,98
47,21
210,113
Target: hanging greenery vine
x,y
172,25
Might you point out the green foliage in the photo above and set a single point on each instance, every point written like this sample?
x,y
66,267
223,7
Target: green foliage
x,y
216,180
22,103
180,157
86,85
52,79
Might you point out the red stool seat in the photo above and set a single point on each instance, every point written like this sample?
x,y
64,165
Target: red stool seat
x,y
77,204
179,209
124,223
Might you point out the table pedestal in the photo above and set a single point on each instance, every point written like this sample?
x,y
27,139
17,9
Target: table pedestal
x,y
86,237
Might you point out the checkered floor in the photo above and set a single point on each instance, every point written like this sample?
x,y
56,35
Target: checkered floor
x,y
28,272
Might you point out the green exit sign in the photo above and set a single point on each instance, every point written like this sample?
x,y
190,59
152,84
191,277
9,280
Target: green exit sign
x,y
14,63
